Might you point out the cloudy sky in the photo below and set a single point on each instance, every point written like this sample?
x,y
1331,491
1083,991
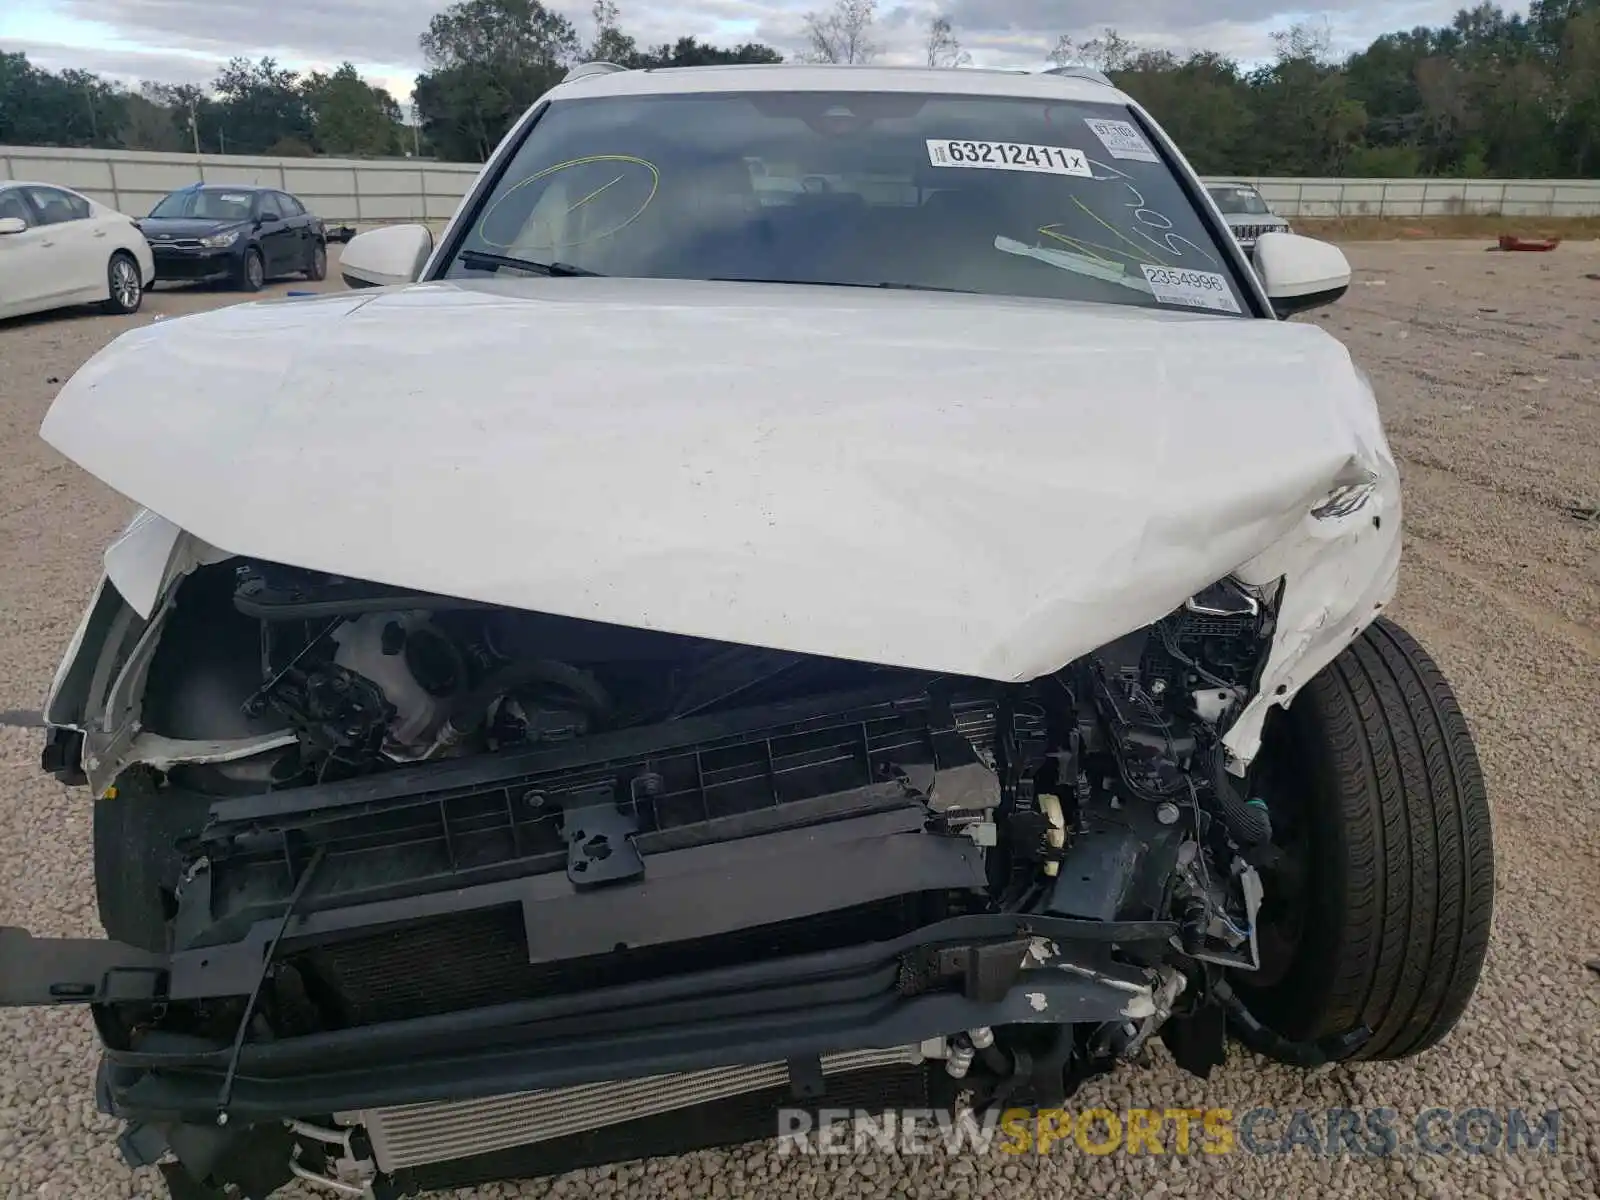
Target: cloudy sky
x,y
181,41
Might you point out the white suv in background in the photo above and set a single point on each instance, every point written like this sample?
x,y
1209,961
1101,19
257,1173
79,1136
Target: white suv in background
x,y
1246,211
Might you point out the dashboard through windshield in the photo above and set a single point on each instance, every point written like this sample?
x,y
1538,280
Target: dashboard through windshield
x,y
992,195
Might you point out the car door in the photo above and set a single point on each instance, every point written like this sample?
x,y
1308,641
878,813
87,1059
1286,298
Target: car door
x,y
276,236
79,252
26,284
295,215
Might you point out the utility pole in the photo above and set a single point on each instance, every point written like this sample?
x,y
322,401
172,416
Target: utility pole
x,y
194,125
416,131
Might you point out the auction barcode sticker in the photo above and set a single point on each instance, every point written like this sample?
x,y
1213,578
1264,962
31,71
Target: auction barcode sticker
x,y
1192,289
1121,139
1008,156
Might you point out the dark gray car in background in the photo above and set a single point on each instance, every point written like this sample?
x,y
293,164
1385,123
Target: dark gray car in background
x,y
243,235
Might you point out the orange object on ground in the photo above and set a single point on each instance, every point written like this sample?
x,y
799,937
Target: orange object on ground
x,y
1510,241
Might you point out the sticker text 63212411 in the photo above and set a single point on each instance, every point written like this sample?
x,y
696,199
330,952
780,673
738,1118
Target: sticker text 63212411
x,y
1008,156
1192,289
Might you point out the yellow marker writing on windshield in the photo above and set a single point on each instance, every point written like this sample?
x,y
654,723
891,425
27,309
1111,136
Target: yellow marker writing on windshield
x,y
1085,248
655,185
593,194
1116,233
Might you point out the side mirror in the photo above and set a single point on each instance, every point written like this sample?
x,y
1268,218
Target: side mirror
x,y
390,255
12,225
1300,273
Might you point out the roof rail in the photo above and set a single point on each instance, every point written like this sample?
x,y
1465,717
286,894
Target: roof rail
x,y
584,70
1079,72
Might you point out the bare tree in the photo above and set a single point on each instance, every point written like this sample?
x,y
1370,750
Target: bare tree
x,y
1305,41
610,43
944,50
843,34
1110,52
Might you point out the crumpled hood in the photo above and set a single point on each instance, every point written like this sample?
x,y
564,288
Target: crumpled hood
x,y
980,486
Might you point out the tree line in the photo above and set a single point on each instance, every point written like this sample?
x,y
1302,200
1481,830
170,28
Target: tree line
x,y
250,108
1491,93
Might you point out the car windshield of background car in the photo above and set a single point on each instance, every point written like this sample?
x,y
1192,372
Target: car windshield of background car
x,y
205,204
1240,202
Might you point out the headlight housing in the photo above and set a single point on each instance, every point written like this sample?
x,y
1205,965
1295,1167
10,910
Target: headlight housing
x,y
219,240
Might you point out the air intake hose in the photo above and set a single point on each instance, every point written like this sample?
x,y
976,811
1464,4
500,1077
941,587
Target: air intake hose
x,y
1248,821
1262,1040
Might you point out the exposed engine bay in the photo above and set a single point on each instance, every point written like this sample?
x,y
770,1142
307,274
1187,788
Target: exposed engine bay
x,y
1101,792
474,808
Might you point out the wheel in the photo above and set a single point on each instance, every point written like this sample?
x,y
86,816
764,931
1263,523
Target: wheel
x,y
253,274
318,270
1377,913
136,862
124,286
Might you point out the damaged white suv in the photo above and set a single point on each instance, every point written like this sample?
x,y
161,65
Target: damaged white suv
x,y
903,627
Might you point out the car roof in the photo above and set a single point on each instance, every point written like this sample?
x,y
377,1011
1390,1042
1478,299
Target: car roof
x,y
16,183
811,77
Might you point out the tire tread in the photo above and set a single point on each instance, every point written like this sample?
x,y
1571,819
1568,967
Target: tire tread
x,y
1406,923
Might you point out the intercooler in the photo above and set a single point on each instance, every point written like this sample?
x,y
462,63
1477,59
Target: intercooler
x,y
415,1135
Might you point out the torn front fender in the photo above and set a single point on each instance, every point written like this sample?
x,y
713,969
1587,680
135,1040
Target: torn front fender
x,y
140,567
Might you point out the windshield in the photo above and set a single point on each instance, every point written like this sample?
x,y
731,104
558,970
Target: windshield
x,y
205,204
999,196
1240,201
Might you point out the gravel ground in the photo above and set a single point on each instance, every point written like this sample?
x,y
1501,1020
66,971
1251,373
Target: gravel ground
x,y
1488,366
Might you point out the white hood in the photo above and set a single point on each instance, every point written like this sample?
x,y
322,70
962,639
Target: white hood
x,y
979,486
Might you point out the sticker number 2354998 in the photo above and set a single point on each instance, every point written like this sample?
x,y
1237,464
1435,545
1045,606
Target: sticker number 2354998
x,y
1194,289
1008,156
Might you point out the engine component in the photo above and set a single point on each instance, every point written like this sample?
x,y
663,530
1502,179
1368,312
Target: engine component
x,y
959,1059
1248,821
584,698
374,646
341,718
1098,794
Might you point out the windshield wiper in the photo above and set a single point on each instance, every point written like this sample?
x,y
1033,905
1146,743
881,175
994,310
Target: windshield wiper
x,y
907,287
482,260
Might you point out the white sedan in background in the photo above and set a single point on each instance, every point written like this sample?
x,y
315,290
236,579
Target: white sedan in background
x,y
58,248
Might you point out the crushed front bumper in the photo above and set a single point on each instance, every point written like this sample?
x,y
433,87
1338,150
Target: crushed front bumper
x,y
787,911
539,1086
958,974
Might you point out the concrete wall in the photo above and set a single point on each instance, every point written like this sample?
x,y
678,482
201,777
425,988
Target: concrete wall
x,y
345,190
379,191
1431,197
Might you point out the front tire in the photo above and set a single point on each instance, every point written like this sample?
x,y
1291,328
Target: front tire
x,y
253,272
1378,804
317,271
124,285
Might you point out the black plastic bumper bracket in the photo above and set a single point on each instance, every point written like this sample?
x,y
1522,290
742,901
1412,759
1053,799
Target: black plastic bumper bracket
x,y
41,971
